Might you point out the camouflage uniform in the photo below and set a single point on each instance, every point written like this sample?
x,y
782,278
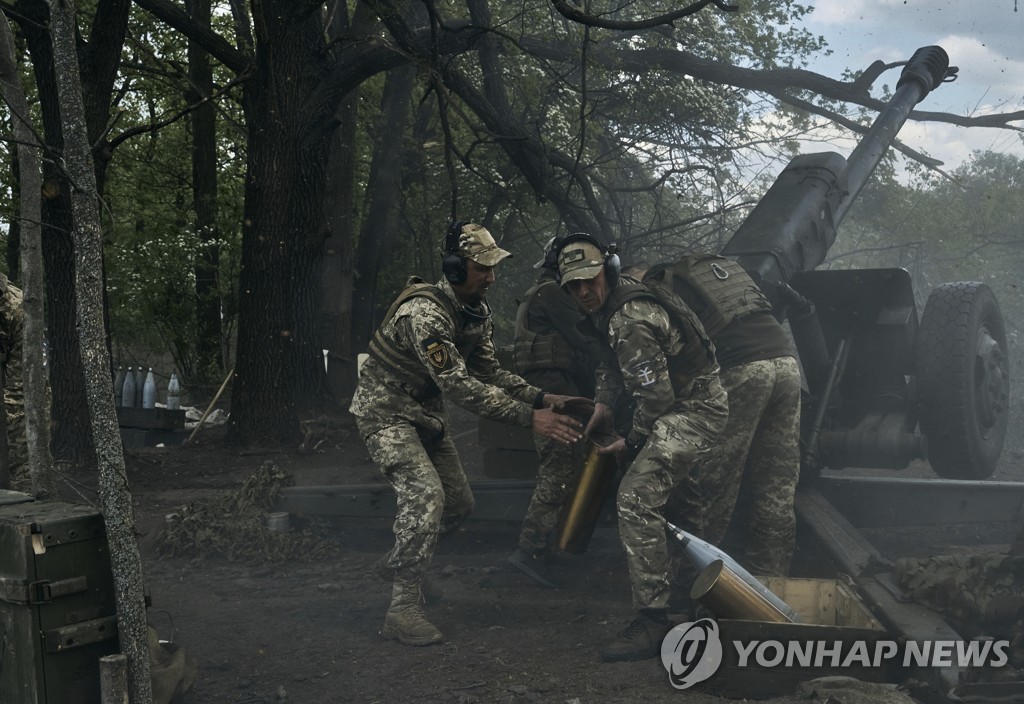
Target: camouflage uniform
x,y
12,318
762,378
676,423
403,420
764,426
552,354
663,359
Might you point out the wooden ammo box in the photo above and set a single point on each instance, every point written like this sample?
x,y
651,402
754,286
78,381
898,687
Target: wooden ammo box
x,y
829,612
57,613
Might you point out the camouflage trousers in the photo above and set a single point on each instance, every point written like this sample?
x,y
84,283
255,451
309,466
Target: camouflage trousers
x,y
555,475
759,455
432,492
679,444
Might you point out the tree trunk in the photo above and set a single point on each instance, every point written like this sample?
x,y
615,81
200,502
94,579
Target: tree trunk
x,y
37,426
279,368
71,435
208,363
380,225
336,279
113,481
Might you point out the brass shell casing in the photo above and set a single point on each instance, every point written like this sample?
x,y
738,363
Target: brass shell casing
x,y
725,593
579,516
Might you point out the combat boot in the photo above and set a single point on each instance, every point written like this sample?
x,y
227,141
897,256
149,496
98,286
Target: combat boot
x,y
641,639
534,566
405,621
430,588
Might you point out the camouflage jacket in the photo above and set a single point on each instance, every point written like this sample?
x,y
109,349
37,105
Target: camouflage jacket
x,y
428,338
644,341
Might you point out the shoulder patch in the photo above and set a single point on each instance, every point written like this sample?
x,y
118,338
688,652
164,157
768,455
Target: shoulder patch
x,y
437,352
644,372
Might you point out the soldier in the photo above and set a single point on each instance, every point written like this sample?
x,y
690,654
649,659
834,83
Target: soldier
x,y
762,378
665,361
13,447
435,342
551,353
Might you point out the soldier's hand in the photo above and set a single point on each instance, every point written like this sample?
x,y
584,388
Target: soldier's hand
x,y
573,405
556,426
601,420
615,447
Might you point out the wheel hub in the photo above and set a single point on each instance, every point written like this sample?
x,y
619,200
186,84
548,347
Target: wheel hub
x,y
991,371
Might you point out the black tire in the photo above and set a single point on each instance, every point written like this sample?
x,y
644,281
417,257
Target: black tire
x,y
963,380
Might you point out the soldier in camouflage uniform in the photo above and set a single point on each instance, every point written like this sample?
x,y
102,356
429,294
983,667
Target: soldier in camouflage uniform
x,y
435,342
665,361
12,318
551,353
762,378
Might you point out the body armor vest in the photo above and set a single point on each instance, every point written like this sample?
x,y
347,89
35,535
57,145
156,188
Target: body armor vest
x,y
536,350
404,363
723,290
697,358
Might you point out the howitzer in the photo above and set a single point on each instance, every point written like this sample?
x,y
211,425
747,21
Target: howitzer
x,y
885,385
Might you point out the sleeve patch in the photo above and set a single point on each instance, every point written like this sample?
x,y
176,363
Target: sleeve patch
x,y
437,353
644,372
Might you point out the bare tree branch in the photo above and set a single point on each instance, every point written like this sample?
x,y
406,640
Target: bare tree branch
x,y
580,17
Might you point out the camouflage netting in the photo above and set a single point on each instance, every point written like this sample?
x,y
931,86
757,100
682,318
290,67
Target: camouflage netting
x,y
233,526
980,595
981,589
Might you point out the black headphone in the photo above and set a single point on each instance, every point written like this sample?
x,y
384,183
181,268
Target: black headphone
x,y
550,261
612,264
453,266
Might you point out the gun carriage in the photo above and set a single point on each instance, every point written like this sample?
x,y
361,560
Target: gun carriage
x,y
886,384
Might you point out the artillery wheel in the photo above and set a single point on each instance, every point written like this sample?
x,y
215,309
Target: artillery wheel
x,y
963,380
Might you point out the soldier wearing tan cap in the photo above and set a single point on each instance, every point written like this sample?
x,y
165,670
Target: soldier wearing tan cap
x,y
664,361
435,343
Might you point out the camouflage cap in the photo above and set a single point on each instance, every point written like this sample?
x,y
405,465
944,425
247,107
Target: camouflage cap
x,y
476,243
579,260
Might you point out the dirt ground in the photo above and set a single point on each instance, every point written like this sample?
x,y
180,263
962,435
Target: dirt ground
x,y
307,631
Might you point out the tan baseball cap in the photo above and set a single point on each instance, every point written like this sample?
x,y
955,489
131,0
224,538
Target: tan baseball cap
x,y
579,260
476,243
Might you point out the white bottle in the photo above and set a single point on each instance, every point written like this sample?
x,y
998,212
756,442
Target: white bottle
x,y
173,393
128,390
149,391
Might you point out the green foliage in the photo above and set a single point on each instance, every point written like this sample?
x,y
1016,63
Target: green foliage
x,y
151,245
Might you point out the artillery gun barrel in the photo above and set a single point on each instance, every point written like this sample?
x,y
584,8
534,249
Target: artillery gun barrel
x,y
925,70
794,225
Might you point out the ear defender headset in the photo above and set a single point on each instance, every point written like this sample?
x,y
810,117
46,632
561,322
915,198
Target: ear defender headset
x,y
453,266
612,265
550,260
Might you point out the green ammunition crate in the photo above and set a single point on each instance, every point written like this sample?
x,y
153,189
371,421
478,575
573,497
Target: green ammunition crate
x,y
57,612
